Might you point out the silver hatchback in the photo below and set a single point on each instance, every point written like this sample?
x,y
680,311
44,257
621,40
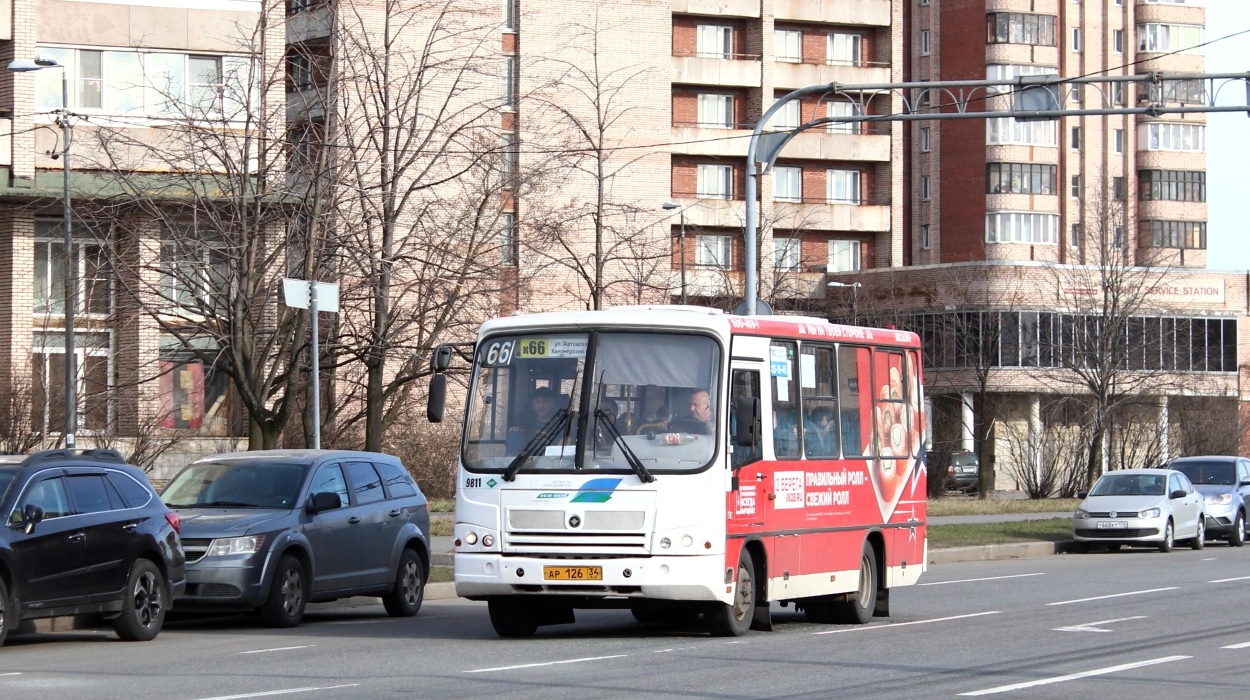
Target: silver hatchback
x,y
1224,483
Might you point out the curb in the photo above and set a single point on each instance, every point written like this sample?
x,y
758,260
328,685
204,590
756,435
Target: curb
x,y
991,552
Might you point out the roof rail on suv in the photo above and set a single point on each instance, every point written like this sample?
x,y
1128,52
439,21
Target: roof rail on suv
x,y
97,455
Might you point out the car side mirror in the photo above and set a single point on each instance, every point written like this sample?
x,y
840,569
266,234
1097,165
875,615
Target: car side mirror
x,y
747,415
323,501
32,515
1178,493
1082,494
1245,482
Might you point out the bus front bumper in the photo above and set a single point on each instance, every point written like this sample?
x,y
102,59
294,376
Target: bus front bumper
x,y
693,578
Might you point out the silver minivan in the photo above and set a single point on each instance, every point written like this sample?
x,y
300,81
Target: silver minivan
x,y
1224,483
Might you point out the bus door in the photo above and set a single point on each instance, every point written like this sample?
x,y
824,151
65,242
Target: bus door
x,y
746,504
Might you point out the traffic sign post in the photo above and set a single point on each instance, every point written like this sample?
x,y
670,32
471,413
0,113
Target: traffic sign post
x,y
316,297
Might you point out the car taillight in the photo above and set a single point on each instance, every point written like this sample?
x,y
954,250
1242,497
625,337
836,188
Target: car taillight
x,y
174,522
951,469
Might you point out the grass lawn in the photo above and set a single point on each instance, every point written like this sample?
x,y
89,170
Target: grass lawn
x,y
441,574
1053,530
973,506
442,505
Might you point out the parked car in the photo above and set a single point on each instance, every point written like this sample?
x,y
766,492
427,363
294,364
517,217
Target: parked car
x,y
86,534
1140,506
271,530
1224,483
963,472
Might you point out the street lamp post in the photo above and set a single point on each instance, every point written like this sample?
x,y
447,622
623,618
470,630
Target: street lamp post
x,y
681,242
71,269
854,297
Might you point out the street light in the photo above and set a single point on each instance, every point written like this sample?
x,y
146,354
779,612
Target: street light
x,y
71,296
681,241
854,297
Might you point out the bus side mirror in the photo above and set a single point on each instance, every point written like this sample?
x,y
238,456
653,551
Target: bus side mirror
x,y
441,359
437,398
747,416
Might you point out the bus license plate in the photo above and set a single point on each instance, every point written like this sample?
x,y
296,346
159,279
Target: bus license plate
x,y
1112,525
572,573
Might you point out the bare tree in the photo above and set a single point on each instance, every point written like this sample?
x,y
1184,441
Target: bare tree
x,y
18,432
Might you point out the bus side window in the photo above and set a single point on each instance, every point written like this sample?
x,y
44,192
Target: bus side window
x,y
746,383
856,405
820,406
893,413
784,421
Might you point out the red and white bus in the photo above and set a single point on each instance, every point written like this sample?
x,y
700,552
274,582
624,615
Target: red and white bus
x,y
678,461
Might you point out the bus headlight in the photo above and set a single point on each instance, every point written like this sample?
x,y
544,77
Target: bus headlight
x,y
470,537
488,540
665,543
686,540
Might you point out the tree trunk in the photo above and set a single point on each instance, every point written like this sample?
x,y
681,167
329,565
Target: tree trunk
x,y
1093,468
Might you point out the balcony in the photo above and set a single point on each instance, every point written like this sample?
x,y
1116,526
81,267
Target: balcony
x,y
1170,13
739,71
717,8
820,216
863,12
822,145
712,213
792,76
708,141
314,23
707,282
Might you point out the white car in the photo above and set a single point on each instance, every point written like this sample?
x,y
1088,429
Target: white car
x,y
1152,507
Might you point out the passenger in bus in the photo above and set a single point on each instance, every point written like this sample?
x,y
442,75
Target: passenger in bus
x,y
542,410
820,437
702,420
852,442
785,435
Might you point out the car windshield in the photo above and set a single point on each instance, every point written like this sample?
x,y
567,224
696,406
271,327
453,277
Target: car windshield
x,y
236,484
964,460
6,478
1130,485
605,401
1208,472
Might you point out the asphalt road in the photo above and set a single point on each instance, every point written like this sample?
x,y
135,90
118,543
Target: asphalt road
x,y
1137,624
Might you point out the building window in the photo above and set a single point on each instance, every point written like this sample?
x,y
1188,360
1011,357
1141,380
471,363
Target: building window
x,y
1169,38
1075,186
507,239
1191,235
1019,178
1075,240
95,286
843,256
509,15
713,251
1008,130
788,116
297,6
305,140
788,45
924,188
1019,28
1117,40
92,376
715,182
786,253
300,71
843,186
1076,92
716,111
844,109
845,49
195,270
1117,93
925,143
1183,92
925,240
1076,38
507,155
1075,141
1117,236
925,45
1164,136
788,184
714,41
1021,227
1117,141
1118,189
1172,185
509,82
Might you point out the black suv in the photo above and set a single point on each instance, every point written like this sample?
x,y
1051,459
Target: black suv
x,y
271,530
86,534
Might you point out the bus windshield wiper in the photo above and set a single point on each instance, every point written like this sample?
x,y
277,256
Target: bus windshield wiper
x,y
604,419
545,436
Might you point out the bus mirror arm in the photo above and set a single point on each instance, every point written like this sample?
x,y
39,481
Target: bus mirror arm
x,y
747,414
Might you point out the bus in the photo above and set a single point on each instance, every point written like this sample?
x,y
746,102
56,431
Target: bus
x,y
679,461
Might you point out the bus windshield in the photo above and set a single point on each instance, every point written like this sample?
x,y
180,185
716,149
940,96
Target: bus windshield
x,y
605,401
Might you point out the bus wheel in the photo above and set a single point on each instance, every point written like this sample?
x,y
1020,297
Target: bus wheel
x,y
735,619
858,606
511,618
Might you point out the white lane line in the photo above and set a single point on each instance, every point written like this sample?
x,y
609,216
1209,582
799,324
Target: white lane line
x,y
15,673
546,663
1093,626
1076,676
971,580
1211,559
262,651
1243,645
661,651
1114,595
286,691
904,624
1228,580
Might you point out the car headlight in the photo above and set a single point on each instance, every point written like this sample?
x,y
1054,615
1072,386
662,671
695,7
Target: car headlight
x,y
1149,513
1081,514
1222,499
225,546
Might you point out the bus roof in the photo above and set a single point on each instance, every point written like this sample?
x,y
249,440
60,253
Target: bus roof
x,y
703,318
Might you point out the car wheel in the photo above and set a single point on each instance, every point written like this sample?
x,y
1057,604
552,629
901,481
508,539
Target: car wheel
x,y
288,594
4,610
734,619
1166,545
512,618
143,607
858,606
1200,537
404,600
1237,537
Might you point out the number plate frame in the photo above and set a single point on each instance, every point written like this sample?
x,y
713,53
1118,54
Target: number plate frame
x,y
1112,525
572,573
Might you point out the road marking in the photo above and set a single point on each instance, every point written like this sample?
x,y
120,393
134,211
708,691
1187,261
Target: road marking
x,y
1227,580
1076,676
287,691
14,673
1093,626
971,580
904,624
661,651
1211,559
1243,645
546,663
262,651
1114,595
